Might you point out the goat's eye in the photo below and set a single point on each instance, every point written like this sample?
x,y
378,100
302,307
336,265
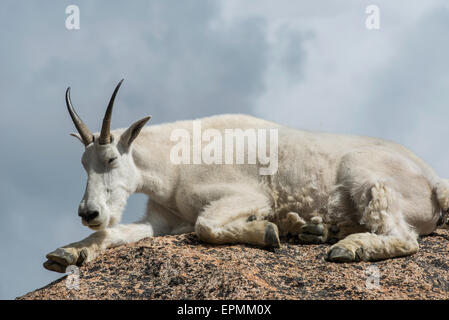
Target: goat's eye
x,y
111,160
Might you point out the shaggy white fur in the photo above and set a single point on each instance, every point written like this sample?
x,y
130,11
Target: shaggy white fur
x,y
370,197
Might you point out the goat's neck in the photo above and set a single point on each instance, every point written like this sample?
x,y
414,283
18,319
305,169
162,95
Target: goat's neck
x,y
157,175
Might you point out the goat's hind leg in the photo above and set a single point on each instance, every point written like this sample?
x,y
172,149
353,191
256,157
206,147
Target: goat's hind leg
x,y
238,219
371,247
390,235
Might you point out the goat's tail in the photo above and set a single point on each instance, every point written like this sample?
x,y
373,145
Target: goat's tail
x,y
442,194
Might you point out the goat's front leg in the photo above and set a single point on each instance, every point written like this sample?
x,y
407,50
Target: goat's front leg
x,y
238,219
89,248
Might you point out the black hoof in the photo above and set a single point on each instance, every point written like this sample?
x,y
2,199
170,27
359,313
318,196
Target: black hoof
x,y
54,266
271,237
339,254
62,257
312,233
314,229
82,257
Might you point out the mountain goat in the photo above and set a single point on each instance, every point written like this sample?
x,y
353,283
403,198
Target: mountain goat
x,y
369,198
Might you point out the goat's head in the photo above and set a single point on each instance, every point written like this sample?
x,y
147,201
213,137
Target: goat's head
x,y
112,173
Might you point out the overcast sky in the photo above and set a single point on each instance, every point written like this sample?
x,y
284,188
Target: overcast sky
x,y
306,64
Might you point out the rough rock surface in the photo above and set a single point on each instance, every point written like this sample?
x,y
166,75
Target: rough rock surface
x,y
180,267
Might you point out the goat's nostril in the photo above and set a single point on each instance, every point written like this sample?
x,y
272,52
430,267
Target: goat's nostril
x,y
88,215
92,215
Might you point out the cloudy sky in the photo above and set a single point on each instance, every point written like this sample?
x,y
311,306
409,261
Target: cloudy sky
x,y
306,64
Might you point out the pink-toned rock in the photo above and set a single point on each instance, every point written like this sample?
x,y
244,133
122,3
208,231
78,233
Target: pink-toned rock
x,y
180,267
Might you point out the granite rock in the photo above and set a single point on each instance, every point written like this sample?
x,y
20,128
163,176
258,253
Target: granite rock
x,y
181,267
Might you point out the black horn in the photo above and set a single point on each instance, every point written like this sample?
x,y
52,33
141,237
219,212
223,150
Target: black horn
x,y
105,135
83,130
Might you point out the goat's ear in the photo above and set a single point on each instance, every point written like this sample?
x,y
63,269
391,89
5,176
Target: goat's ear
x,y
133,131
76,135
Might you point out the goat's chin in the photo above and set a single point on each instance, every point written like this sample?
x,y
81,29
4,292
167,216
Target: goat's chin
x,y
109,222
98,227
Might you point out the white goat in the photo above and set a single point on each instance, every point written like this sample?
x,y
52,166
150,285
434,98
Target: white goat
x,y
372,197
